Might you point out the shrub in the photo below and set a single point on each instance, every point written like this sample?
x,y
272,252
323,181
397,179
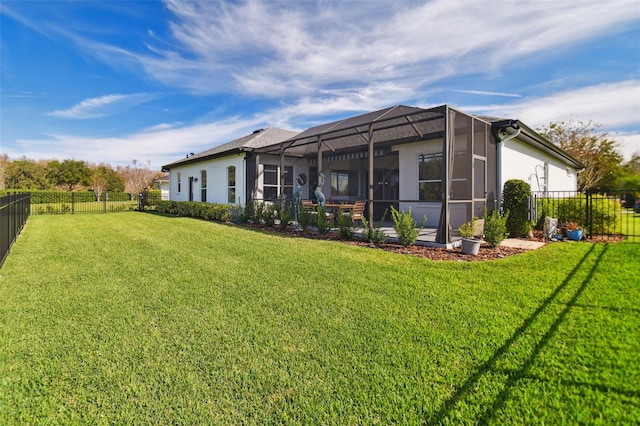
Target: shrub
x,y
207,211
345,226
323,222
284,215
373,234
514,202
468,229
495,228
406,228
269,213
604,212
258,212
305,217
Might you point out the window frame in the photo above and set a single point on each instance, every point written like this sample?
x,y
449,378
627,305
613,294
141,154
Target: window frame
x,y
203,186
275,190
430,180
231,185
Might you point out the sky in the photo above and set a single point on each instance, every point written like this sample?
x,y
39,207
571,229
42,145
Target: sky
x,y
113,81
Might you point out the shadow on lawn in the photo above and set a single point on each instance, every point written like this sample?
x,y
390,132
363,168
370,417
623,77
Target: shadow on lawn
x,y
489,366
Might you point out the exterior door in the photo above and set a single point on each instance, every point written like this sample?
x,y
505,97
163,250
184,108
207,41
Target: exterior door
x,y
385,192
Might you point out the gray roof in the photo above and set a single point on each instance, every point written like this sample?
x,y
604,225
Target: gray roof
x,y
393,124
258,139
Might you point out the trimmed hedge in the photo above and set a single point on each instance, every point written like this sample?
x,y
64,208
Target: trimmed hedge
x,y
52,197
514,205
199,210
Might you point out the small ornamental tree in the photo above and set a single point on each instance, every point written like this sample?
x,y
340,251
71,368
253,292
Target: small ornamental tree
x,y
514,204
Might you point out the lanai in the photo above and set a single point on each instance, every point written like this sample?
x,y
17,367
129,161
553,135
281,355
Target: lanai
x,y
459,178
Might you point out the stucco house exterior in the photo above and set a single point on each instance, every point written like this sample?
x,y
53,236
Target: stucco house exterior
x,y
440,162
233,172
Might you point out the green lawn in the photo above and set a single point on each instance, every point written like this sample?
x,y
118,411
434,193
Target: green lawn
x,y
136,318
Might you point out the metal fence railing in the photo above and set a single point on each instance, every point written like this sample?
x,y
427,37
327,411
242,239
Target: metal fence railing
x,y
14,212
611,217
62,202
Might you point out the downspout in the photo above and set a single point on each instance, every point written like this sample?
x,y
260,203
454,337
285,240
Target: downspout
x,y
500,144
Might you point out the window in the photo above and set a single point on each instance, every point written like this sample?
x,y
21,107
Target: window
x,y
179,182
271,182
430,177
344,183
231,184
203,185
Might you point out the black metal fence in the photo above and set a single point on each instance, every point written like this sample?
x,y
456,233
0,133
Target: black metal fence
x,y
61,202
14,212
611,217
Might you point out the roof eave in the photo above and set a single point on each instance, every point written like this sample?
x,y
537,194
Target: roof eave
x,y
197,159
534,138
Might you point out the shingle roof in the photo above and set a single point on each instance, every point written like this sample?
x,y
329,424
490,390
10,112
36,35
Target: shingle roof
x,y
258,139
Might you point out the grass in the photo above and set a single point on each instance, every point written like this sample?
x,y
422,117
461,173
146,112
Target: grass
x,y
139,318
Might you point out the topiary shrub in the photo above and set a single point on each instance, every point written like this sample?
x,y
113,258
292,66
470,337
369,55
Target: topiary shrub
x,y
514,204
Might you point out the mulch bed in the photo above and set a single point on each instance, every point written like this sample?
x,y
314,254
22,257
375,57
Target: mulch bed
x,y
485,253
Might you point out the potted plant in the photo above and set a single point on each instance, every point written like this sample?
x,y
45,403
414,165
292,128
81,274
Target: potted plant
x,y
470,245
574,231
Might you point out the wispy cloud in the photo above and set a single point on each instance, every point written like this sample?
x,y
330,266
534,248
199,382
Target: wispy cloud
x,y
614,105
485,93
103,106
276,49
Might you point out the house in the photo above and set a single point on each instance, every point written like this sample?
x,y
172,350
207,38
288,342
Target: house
x,y
233,173
439,162
162,183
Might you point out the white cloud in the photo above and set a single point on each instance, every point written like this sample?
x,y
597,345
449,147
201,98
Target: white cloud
x,y
103,106
275,49
160,145
485,93
613,105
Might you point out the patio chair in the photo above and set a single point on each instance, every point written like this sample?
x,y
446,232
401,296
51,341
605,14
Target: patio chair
x,y
357,211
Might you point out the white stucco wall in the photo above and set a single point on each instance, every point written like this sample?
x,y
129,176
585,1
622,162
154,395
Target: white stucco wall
x,y
408,176
521,161
216,179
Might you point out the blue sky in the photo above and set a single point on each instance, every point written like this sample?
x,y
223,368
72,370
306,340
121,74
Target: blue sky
x,y
109,82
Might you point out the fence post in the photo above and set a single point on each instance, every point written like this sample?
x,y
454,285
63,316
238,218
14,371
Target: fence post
x,y
104,202
588,213
73,203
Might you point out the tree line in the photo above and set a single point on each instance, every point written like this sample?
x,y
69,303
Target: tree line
x,y
74,175
604,170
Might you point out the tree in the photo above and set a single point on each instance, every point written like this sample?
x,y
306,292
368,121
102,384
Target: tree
x,y
137,177
70,174
26,174
104,178
592,147
4,164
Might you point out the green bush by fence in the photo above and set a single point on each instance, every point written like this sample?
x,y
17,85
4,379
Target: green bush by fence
x,y
604,212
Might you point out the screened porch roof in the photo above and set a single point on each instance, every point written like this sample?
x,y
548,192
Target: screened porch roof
x,y
393,124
